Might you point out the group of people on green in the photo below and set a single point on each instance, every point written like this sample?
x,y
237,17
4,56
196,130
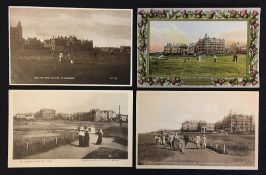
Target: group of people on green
x,y
84,136
235,58
201,142
175,141
178,142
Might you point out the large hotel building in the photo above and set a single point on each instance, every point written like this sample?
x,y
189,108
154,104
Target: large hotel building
x,y
232,123
207,45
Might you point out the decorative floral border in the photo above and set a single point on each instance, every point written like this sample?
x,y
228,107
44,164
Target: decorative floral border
x,y
251,15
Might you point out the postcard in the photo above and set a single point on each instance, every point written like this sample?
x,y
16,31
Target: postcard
x,y
66,128
70,46
197,130
214,47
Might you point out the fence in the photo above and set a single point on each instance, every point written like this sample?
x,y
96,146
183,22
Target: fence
x,y
214,146
30,146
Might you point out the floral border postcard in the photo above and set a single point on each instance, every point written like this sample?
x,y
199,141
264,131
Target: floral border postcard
x,y
214,47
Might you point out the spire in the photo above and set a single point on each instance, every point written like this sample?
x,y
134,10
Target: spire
x,y
230,112
19,24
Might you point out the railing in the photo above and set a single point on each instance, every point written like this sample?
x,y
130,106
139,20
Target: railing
x,y
30,146
214,146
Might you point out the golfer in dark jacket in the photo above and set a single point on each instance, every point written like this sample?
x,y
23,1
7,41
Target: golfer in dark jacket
x,y
186,139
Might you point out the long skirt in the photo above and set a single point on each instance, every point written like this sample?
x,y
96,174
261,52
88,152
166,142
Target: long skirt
x,y
81,141
86,141
99,140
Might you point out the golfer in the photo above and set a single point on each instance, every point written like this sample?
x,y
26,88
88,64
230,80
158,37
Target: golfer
x,y
204,142
197,141
215,59
61,55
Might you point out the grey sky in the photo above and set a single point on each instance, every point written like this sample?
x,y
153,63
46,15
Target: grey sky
x,y
167,110
68,101
105,27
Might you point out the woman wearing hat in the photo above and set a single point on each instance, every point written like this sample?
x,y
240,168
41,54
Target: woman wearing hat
x,y
100,135
87,138
81,136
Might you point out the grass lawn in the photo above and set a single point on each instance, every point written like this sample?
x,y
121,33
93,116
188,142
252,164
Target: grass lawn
x,y
238,145
147,149
40,67
107,153
177,66
65,132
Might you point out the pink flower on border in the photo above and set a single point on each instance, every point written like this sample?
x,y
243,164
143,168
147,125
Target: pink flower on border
x,y
199,12
212,13
140,24
174,81
255,13
254,49
254,82
243,13
141,12
233,13
256,25
162,12
254,71
152,11
242,83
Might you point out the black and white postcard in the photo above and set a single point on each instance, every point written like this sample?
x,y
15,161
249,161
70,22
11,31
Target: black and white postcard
x,y
51,128
197,130
70,46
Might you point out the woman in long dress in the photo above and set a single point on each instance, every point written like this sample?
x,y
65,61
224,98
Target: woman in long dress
x,y
100,136
81,136
87,138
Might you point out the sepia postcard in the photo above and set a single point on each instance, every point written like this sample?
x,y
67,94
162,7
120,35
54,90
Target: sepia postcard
x,y
70,46
66,128
197,130
202,47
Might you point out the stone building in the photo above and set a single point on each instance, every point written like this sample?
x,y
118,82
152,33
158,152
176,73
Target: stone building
x,y
46,114
64,116
178,49
236,48
49,44
197,126
16,40
124,117
67,43
24,116
210,45
234,123
108,114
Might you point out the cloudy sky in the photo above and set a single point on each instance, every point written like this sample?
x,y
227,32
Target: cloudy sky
x,y
162,32
104,27
167,110
68,101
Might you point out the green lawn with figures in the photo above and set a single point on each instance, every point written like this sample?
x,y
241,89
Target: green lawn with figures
x,y
189,66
